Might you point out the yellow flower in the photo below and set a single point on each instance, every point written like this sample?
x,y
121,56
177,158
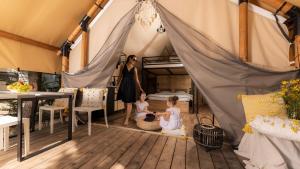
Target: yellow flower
x,y
247,128
295,129
296,123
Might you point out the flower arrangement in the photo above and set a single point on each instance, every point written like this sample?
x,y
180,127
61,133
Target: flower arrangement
x,y
19,87
290,92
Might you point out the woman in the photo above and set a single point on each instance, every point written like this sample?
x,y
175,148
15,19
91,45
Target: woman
x,y
127,86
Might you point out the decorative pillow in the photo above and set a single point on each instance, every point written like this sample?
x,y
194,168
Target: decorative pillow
x,y
92,97
265,105
64,102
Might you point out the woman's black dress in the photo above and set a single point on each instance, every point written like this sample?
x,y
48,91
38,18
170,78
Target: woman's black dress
x,y
127,90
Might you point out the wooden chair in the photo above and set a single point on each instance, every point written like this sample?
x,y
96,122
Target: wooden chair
x,y
92,99
59,105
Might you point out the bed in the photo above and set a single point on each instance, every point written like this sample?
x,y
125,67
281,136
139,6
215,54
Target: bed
x,y
157,101
171,79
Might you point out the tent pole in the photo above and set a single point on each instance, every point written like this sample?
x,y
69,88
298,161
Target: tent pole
x,y
91,13
65,50
84,49
243,29
297,38
85,41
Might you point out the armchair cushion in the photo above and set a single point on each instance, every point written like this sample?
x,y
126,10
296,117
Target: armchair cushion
x,y
93,97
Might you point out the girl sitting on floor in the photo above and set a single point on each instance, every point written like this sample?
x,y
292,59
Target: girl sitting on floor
x,y
141,107
170,120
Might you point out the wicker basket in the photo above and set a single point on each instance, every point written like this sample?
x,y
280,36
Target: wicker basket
x,y
208,135
148,126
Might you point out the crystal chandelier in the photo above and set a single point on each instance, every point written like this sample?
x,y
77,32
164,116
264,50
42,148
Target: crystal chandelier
x,y
146,13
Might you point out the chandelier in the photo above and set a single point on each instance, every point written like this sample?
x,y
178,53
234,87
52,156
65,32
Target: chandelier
x,y
146,13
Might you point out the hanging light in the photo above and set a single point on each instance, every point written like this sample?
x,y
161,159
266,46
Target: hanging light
x,y
146,13
161,29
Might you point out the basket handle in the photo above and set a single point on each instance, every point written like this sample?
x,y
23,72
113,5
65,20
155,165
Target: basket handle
x,y
206,117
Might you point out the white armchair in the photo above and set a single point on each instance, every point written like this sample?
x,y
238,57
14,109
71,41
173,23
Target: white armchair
x,y
59,105
92,99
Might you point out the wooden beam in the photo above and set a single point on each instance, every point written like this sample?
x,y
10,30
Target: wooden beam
x,y
297,37
243,30
65,64
91,13
84,49
27,41
297,51
273,5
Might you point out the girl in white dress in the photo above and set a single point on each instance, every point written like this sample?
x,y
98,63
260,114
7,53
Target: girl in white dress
x,y
170,120
141,107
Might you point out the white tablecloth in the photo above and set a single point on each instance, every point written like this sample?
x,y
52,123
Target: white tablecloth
x,y
267,148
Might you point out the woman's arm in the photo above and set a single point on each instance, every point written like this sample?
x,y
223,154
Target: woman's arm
x,y
137,80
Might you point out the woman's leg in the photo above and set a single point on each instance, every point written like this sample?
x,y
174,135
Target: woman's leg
x,y
128,113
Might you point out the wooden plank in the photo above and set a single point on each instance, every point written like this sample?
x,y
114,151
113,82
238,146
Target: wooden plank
x,y
142,154
179,155
53,156
192,161
218,159
205,159
130,153
166,157
113,157
154,155
39,141
84,153
101,151
231,158
27,41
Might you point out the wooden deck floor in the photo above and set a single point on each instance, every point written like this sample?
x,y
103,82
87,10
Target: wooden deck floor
x,y
117,148
189,120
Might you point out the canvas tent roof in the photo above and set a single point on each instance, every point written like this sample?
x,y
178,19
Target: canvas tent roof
x,y
51,22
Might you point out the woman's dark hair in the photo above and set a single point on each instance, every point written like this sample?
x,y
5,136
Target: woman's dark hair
x,y
173,99
129,58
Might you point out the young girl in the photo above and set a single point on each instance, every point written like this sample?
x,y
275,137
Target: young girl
x,y
141,107
170,120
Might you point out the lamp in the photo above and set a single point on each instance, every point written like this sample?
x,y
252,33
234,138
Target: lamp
x,y
146,13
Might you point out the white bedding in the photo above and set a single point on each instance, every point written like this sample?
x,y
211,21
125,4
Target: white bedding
x,y
272,145
183,96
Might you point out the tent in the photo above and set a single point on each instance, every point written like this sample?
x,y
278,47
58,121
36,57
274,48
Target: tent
x,y
217,73
217,20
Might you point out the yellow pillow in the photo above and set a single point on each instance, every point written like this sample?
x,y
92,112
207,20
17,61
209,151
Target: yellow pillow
x,y
265,105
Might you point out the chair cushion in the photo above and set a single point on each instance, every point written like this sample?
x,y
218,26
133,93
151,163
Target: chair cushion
x,y
51,108
92,97
264,105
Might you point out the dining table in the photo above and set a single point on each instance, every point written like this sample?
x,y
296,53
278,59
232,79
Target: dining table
x,y
35,97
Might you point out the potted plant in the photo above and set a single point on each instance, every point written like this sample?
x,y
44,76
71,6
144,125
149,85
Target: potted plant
x,y
290,91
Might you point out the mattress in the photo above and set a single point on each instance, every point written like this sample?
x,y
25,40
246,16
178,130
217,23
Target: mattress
x,y
183,96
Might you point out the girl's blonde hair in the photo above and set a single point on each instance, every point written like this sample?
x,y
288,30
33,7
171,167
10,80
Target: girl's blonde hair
x,y
173,99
